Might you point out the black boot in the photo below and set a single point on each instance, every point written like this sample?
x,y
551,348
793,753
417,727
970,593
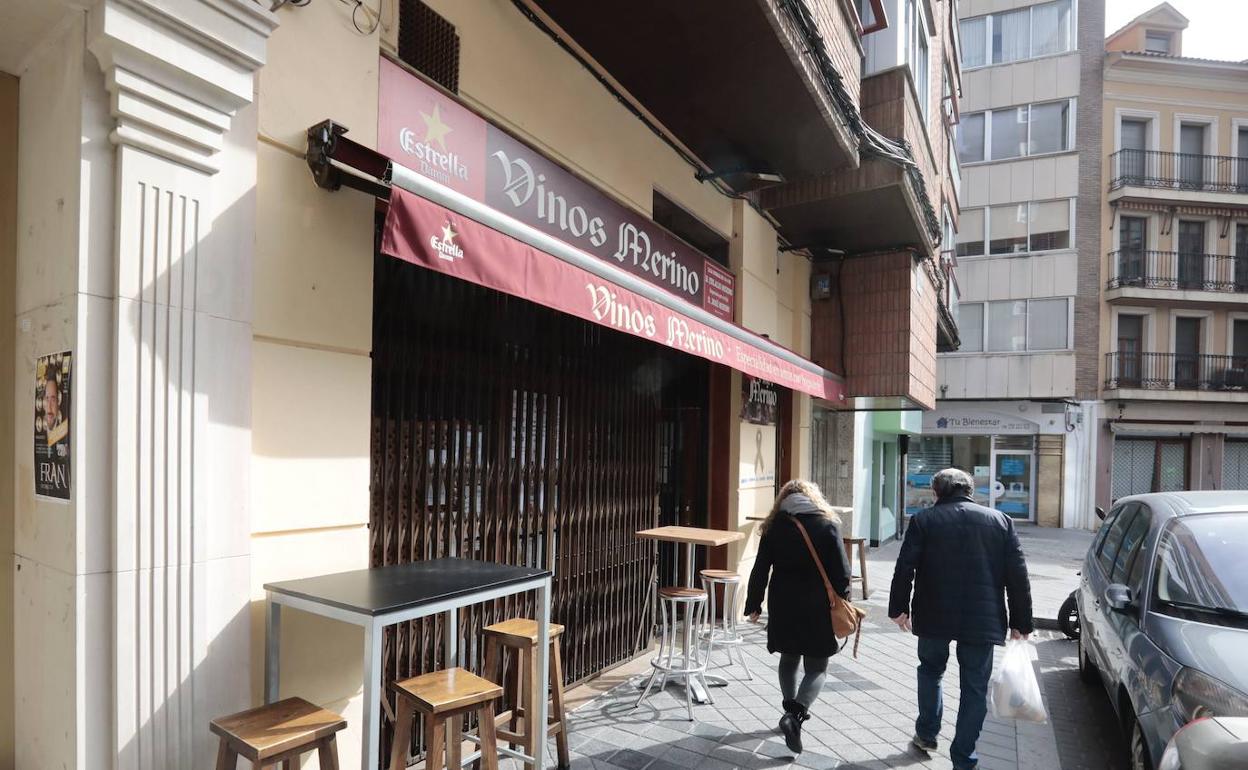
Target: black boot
x,y
791,724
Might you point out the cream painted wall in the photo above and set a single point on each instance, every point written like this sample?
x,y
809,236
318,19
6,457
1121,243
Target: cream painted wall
x,y
312,330
1166,96
8,353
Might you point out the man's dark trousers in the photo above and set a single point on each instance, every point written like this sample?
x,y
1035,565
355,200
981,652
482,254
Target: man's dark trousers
x,y
975,669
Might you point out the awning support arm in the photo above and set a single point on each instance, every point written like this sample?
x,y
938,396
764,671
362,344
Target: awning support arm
x,y
327,145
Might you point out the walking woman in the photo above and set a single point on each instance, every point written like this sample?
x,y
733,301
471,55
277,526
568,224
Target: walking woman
x,y
799,626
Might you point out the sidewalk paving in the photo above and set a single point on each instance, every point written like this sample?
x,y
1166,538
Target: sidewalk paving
x,y
863,719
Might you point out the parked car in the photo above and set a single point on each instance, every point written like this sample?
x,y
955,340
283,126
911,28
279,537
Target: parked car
x,y
1163,606
1209,744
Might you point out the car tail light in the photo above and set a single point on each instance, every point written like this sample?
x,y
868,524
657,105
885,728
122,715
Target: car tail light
x,y
1197,695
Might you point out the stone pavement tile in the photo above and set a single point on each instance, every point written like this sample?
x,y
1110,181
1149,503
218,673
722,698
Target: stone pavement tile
x,y
629,759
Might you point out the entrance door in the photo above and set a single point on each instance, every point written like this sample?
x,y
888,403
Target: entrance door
x,y
1130,350
1241,251
1012,483
1191,255
1186,352
1131,247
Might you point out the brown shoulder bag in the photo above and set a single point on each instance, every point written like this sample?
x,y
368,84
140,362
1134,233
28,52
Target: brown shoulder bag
x,y
846,618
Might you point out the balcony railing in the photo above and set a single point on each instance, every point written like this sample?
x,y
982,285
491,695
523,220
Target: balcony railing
x,y
1178,171
1176,371
1178,270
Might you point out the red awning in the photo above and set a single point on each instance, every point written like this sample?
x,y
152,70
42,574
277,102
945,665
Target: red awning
x,y
474,242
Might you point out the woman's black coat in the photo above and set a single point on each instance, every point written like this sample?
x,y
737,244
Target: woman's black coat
x,y
798,620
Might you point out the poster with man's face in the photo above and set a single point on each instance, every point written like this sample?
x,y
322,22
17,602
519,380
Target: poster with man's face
x,y
52,436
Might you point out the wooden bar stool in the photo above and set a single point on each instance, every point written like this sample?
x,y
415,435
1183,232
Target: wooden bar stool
x,y
443,698
520,636
278,733
861,544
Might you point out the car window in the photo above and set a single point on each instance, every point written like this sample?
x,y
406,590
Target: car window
x,y
1113,540
1104,528
1200,572
1131,542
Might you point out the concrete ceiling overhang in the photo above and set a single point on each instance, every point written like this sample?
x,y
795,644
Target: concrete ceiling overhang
x,y
24,24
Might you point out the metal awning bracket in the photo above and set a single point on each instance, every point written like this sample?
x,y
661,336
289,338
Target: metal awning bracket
x,y
327,143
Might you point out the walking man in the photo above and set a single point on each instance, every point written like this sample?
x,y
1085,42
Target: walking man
x,y
963,560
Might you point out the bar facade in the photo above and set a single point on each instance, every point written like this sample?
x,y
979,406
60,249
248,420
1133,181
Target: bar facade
x,y
220,377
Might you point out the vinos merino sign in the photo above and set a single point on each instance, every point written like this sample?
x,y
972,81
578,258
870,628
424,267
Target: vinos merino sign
x,y
428,132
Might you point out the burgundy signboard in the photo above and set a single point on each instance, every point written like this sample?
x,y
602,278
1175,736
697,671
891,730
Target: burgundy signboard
x,y
426,234
424,130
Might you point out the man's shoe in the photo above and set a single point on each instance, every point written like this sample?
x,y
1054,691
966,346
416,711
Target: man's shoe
x,y
791,724
922,744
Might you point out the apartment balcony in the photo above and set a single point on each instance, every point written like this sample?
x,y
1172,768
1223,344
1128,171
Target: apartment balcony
x,y
1176,377
1177,277
1179,178
747,87
884,204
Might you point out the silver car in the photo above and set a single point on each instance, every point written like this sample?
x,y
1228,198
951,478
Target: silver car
x,y
1163,606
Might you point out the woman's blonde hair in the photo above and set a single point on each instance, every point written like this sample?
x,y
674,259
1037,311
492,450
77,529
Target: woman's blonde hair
x,y
800,487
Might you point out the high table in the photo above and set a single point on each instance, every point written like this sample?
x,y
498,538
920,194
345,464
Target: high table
x,y
383,596
690,537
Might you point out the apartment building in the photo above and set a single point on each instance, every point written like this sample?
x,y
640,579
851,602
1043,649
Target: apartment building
x,y
560,271
1174,319
1017,398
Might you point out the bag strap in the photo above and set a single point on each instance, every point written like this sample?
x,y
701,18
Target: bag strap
x,y
833,597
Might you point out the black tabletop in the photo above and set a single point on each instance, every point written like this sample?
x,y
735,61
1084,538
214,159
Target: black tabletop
x,y
403,586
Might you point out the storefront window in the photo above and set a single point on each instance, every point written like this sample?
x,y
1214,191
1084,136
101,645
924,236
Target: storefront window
x,y
1002,467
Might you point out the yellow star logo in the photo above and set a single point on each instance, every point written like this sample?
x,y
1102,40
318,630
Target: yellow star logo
x,y
435,129
448,234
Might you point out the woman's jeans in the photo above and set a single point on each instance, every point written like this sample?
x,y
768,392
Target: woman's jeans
x,y
812,682
974,669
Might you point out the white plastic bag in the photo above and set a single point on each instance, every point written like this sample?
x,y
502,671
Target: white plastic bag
x,y
1014,692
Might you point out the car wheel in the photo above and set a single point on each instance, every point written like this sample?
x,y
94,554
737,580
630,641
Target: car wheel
x,y
1068,617
1087,669
1140,759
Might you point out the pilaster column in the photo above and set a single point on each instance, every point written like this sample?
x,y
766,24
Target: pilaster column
x,y
177,73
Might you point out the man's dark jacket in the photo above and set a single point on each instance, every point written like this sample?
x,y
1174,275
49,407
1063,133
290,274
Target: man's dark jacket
x,y
961,557
799,620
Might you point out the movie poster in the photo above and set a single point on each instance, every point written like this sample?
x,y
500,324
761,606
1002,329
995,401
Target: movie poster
x,y
53,391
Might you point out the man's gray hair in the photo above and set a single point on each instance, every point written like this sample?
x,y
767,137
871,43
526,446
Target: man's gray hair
x,y
953,481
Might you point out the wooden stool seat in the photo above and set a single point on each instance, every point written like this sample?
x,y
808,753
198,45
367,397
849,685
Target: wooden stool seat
x,y
278,732
680,592
521,694
720,574
443,697
861,544
441,692
519,631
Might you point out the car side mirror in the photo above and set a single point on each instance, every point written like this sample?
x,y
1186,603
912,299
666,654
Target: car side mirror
x,y
1119,598
1100,513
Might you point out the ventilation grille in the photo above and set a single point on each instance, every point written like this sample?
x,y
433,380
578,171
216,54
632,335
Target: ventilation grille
x,y
429,44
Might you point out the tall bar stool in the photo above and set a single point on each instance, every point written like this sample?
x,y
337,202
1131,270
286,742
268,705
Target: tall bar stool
x,y
723,633
687,661
521,692
443,698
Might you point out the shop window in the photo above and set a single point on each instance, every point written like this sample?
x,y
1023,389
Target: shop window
x,y
1143,465
1235,464
429,44
689,228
